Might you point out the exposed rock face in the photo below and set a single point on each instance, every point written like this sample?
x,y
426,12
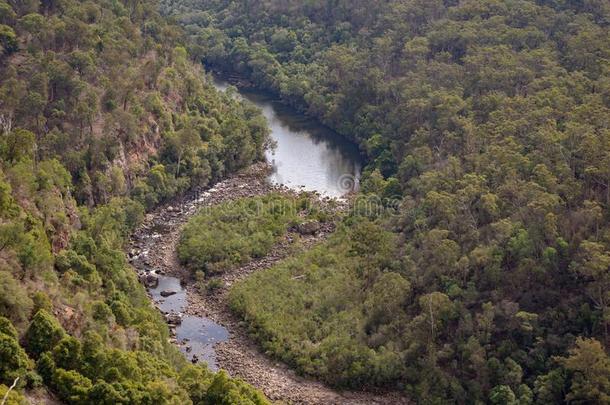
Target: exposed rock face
x,y
308,228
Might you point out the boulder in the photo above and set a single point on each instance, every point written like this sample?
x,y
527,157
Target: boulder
x,y
150,280
174,319
308,228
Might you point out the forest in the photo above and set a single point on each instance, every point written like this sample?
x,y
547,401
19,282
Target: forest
x,y
489,122
103,115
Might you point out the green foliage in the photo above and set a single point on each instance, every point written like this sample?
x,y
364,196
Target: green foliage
x,y
7,327
485,124
102,116
41,301
114,125
46,366
8,40
67,353
14,301
330,314
43,333
7,12
103,393
14,397
121,312
196,380
130,377
589,365
502,394
14,362
71,386
224,390
70,260
17,145
233,233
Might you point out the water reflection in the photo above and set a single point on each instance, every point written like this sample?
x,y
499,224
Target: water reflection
x,y
308,154
197,335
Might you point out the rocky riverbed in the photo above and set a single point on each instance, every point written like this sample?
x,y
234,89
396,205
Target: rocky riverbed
x,y
152,251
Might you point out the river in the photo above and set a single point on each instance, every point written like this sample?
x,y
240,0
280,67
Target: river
x,y
306,156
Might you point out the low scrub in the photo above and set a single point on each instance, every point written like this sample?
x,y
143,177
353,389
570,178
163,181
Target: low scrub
x,y
234,233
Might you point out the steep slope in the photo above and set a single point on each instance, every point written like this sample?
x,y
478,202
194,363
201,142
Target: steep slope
x,y
102,116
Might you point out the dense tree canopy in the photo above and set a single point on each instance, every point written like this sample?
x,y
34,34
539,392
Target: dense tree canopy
x,y
490,119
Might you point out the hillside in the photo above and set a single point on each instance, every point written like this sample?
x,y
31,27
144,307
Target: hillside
x,y
486,125
102,117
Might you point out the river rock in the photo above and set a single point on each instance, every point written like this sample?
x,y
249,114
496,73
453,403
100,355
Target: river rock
x,y
150,280
308,228
174,319
168,293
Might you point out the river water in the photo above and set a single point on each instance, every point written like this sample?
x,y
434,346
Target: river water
x,y
197,335
306,156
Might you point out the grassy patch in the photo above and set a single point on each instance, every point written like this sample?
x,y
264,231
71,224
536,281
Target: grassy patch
x,y
232,234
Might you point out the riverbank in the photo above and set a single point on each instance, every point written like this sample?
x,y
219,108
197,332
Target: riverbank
x,y
153,252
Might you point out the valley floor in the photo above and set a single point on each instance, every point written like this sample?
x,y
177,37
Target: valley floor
x,y
240,356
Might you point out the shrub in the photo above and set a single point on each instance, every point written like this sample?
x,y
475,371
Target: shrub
x,y
7,327
46,366
103,393
214,285
121,312
502,394
41,301
232,234
67,353
70,260
14,361
14,397
8,40
102,312
227,391
14,301
196,380
43,333
71,386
